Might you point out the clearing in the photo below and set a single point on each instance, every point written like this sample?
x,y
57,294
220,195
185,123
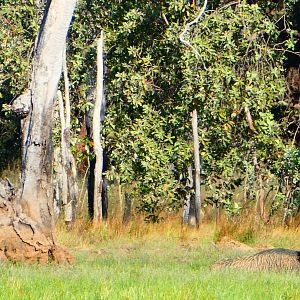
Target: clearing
x,y
149,262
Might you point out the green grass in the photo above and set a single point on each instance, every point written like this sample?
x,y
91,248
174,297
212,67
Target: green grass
x,y
164,265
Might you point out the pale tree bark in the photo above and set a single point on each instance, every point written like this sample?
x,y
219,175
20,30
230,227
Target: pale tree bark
x,y
197,167
192,207
32,220
63,154
36,178
196,204
92,162
69,161
97,132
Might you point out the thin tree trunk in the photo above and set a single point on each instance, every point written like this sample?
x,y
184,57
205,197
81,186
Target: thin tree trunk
x,y
120,196
260,194
127,208
57,182
104,197
97,132
64,159
197,167
189,215
70,165
57,167
90,186
91,160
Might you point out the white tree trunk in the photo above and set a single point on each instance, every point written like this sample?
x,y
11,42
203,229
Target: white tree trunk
x,y
36,196
69,161
97,132
27,227
64,159
197,167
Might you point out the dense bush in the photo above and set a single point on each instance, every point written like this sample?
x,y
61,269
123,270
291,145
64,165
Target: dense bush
x,y
237,83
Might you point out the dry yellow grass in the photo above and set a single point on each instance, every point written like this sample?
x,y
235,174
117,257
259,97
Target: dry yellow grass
x,y
84,234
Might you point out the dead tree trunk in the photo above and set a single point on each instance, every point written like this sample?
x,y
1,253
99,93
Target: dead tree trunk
x,y
67,156
97,133
33,220
97,182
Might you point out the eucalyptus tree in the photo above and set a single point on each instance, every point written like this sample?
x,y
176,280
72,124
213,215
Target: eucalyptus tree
x,y
31,225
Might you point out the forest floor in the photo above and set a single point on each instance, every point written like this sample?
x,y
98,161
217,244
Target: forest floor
x,y
163,261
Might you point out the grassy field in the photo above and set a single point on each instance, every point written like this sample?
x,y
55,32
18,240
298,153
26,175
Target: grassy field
x,y
166,262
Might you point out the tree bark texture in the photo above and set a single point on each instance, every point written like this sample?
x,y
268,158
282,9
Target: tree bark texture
x,y
64,177
69,186
57,182
68,194
94,120
21,238
29,221
36,194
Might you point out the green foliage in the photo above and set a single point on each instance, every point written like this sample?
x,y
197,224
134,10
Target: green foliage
x,y
19,24
19,27
239,67
153,82
289,176
142,134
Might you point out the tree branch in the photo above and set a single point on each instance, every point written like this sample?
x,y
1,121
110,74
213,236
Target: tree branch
x,y
188,26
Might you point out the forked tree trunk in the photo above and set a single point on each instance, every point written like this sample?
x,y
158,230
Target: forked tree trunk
x,y
69,184
97,181
32,222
